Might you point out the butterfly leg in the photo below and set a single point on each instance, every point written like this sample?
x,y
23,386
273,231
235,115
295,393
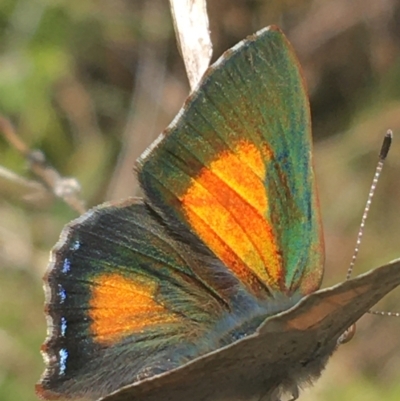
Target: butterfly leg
x,y
276,394
294,392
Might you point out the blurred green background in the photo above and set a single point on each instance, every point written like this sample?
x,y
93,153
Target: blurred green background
x,y
92,83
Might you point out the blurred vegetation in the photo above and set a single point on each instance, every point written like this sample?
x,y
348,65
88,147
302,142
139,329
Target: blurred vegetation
x,y
92,83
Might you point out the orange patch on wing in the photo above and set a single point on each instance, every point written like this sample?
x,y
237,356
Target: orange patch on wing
x,y
120,307
227,205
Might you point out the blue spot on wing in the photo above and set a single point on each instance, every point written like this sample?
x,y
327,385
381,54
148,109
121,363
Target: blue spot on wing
x,y
63,326
66,266
63,353
61,293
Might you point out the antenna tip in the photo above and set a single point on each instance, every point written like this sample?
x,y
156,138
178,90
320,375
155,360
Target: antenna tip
x,y
387,141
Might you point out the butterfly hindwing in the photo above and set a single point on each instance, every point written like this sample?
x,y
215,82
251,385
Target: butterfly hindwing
x,y
234,168
123,303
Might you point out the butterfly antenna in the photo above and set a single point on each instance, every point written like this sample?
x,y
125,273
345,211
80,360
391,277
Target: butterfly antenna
x,y
387,141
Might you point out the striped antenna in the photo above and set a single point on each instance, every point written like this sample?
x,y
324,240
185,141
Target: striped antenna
x,y
387,141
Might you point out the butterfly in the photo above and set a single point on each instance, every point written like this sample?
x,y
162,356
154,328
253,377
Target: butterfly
x,y
207,288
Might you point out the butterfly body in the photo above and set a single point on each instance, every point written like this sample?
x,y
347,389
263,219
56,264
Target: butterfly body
x,y
206,289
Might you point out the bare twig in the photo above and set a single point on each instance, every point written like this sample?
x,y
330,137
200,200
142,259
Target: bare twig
x,y
64,188
26,189
194,42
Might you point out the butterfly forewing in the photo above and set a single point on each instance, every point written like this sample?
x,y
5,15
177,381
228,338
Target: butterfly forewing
x,y
235,169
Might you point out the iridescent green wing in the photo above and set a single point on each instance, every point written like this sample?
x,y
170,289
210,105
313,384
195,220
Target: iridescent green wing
x,y
233,171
